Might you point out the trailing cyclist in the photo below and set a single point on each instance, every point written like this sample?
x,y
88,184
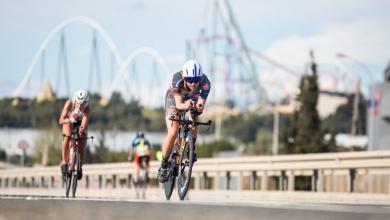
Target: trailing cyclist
x,y
140,148
77,109
188,91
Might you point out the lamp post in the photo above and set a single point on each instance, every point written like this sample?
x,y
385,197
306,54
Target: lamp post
x,y
356,61
355,112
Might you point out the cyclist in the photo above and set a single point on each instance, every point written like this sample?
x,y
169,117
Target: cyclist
x,y
140,147
76,109
188,91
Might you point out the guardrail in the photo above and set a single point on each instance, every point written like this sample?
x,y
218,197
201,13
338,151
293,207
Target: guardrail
x,y
363,172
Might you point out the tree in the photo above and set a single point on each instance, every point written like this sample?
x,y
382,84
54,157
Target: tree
x,y
209,149
307,138
3,155
47,147
340,121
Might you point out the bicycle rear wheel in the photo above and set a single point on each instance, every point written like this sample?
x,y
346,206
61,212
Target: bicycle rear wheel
x,y
185,167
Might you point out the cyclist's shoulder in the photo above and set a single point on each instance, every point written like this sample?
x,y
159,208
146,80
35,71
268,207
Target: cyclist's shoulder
x,y
205,79
177,81
87,109
177,76
205,84
68,104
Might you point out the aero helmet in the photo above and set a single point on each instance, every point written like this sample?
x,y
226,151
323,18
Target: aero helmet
x,y
81,96
192,71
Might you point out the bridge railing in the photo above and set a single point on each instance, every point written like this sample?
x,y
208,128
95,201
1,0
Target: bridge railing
x,y
363,172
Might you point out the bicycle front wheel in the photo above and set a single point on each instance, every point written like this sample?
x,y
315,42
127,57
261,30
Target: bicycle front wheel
x,y
68,182
185,167
74,174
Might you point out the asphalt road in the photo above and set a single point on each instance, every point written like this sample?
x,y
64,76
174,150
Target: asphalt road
x,y
29,207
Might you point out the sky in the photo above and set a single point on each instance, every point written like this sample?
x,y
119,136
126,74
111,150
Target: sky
x,y
283,31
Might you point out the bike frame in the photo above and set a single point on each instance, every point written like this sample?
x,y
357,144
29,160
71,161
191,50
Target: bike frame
x,y
74,150
73,159
176,165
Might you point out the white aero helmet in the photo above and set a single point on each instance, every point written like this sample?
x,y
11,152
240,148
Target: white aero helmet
x,y
192,71
81,96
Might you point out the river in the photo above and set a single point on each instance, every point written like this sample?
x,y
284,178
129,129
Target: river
x,y
114,140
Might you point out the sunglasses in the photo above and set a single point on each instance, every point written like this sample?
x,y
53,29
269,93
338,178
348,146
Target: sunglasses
x,y
193,79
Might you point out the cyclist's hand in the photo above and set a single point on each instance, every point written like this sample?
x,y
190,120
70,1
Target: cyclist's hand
x,y
74,116
72,120
81,130
199,107
189,104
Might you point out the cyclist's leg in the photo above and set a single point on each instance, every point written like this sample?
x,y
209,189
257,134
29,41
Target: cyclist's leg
x,y
147,162
172,126
173,129
137,163
66,130
147,168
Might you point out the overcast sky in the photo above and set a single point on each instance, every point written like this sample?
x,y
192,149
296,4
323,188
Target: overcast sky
x,y
283,30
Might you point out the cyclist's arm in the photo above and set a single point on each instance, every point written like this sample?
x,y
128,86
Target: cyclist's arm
x,y
204,93
85,120
64,115
200,104
147,143
179,102
130,153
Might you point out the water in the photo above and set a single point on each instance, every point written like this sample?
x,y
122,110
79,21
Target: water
x,y
114,140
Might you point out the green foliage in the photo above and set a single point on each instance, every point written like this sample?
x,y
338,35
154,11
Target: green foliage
x,y
116,115
29,113
15,159
209,149
47,147
245,127
303,183
3,155
341,119
101,153
306,135
263,144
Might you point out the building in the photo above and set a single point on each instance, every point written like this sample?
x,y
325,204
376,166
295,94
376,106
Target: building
x,y
47,93
379,114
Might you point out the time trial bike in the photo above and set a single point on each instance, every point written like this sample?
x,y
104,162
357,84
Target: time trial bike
x,y
182,157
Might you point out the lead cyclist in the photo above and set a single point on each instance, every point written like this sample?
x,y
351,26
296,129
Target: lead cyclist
x,y
76,109
189,90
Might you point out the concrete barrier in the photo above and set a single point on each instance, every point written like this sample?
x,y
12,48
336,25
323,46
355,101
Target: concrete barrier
x,y
360,172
